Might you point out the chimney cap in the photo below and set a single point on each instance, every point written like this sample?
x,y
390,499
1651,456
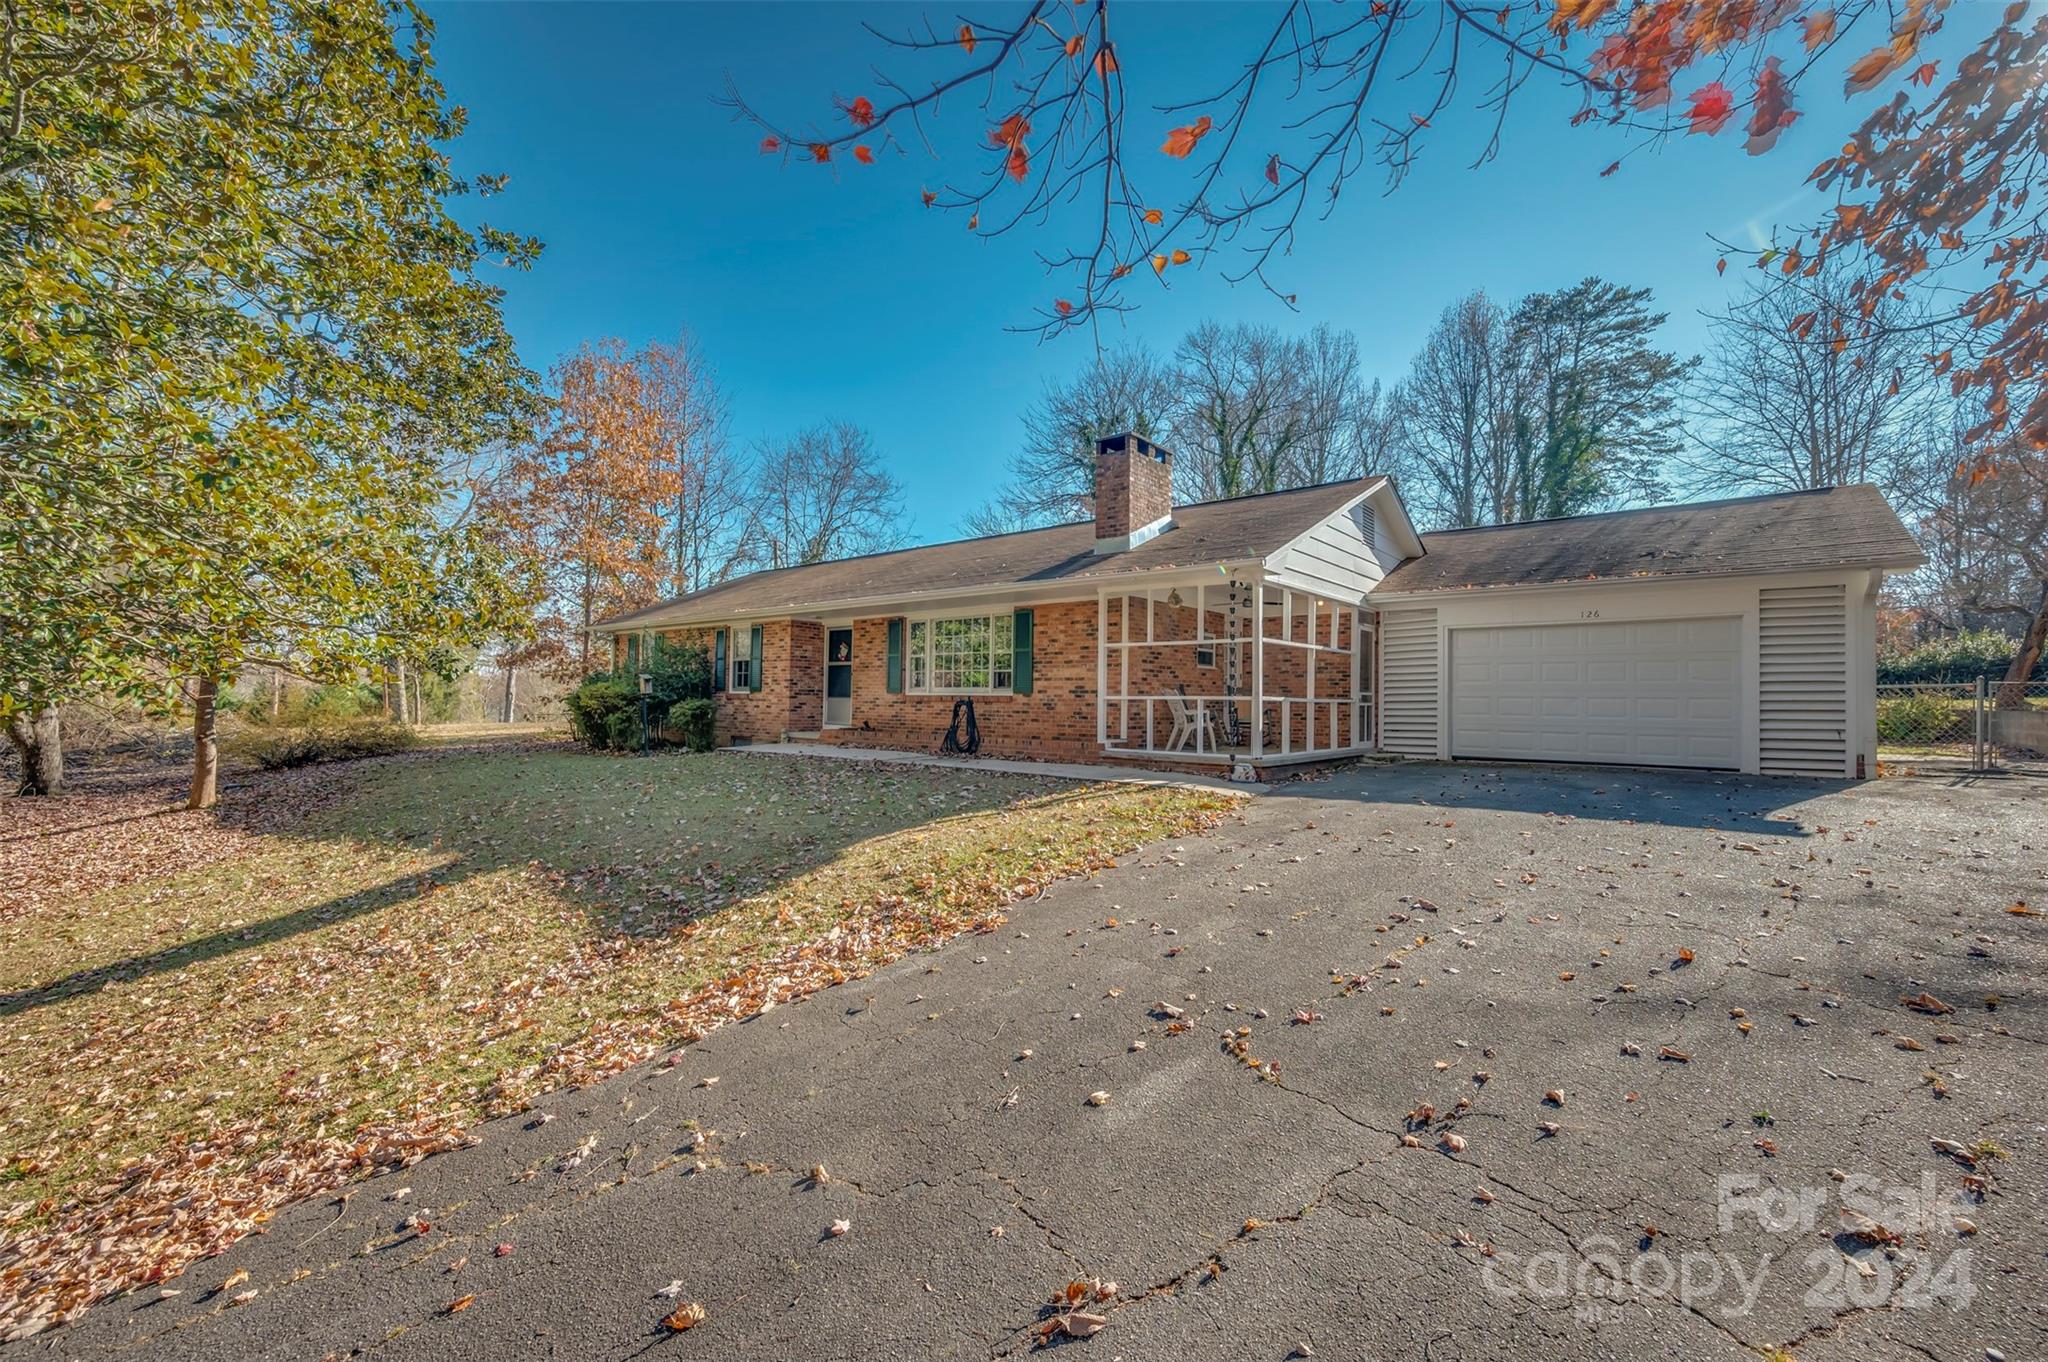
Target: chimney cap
x,y
1130,442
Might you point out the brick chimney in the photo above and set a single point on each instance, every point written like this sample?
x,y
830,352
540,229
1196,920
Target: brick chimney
x,y
1133,492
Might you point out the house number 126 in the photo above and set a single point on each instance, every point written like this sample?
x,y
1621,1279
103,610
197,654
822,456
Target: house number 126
x,y
1589,614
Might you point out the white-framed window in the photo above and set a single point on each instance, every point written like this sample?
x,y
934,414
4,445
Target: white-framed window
x,y
970,653
1205,655
739,656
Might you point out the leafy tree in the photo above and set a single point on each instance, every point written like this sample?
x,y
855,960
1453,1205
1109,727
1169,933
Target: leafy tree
x,y
1928,186
1554,408
587,501
239,330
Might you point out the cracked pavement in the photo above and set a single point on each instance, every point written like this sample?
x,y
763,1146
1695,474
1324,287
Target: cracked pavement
x,y
1250,1193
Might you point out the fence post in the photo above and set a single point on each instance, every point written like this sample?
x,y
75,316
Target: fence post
x,y
1980,759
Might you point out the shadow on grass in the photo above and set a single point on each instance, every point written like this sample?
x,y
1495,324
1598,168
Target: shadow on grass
x,y
676,838
399,889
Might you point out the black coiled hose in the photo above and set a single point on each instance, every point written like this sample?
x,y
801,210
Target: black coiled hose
x,y
953,746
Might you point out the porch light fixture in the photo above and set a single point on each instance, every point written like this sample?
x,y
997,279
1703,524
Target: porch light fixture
x,y
1173,599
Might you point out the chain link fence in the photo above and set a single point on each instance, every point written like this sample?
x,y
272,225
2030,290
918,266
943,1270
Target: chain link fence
x,y
1979,726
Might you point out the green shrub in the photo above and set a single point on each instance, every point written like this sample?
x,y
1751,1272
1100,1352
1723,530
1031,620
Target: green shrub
x,y
604,714
693,719
1956,659
1919,718
276,748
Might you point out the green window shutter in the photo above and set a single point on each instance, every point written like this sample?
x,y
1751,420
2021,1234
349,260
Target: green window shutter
x,y
718,661
754,660
1020,657
895,657
632,653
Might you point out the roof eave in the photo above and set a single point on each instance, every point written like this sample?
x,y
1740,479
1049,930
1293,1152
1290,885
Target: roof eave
x,y
1892,564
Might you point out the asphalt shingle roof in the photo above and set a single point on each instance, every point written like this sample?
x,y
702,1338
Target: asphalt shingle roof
x,y
1834,527
1231,532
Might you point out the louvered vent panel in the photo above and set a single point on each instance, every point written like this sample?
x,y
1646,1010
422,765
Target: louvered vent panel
x,y
1803,707
1409,667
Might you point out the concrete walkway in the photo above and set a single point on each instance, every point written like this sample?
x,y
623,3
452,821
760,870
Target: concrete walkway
x,y
1122,775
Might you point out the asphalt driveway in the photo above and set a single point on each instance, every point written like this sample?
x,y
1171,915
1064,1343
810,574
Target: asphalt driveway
x,y
1425,951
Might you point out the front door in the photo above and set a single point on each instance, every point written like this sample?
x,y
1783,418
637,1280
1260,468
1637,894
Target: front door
x,y
838,678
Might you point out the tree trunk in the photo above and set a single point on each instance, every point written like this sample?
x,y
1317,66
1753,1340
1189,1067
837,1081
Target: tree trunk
x,y
276,693
39,743
2012,691
511,693
205,745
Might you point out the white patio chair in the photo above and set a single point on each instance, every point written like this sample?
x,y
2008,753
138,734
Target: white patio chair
x,y
1183,716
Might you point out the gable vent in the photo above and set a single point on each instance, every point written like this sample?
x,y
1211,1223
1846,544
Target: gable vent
x,y
1369,527
1803,708
1409,670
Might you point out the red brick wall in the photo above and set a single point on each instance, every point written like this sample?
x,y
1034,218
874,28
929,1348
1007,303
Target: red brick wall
x,y
1056,722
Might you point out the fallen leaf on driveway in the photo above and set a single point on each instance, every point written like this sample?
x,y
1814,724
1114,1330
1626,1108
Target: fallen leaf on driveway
x,y
1454,1142
685,1318
1675,1056
1928,1003
1098,1099
461,1303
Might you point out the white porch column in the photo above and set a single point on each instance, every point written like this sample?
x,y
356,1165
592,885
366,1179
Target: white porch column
x,y
1258,670
1102,667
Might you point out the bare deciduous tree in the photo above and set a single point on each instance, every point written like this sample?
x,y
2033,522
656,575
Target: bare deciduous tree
x,y
1052,478
822,494
1783,405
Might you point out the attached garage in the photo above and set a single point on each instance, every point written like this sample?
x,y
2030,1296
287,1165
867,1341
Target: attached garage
x,y
1733,635
1648,693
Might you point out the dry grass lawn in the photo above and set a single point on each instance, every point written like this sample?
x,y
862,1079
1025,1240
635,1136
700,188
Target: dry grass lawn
x,y
343,968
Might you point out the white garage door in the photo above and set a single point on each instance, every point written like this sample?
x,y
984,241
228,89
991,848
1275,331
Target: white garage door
x,y
1650,693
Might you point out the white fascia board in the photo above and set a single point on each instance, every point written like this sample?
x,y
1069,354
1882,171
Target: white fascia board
x,y
1468,593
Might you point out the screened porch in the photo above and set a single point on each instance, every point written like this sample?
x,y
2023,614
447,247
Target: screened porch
x,y
1233,670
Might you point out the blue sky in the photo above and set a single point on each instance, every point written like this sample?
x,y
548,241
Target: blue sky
x,y
824,294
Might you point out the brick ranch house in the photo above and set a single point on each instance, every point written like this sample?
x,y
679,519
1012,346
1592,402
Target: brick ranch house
x,y
1315,624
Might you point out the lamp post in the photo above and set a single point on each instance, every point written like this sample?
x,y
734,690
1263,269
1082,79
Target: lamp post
x,y
646,690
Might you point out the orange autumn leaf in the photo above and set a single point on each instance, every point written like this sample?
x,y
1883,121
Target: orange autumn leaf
x,y
860,112
1924,75
1818,29
820,152
1181,257
1063,307
770,144
1712,106
1158,264
1074,46
1721,265
1119,272
1018,165
461,1303
864,155
967,37
1105,60
1181,141
1011,132
1872,67
685,1318
1154,216
1273,169
929,196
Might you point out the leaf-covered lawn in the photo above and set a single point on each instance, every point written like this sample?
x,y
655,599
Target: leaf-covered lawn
x,y
207,1015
